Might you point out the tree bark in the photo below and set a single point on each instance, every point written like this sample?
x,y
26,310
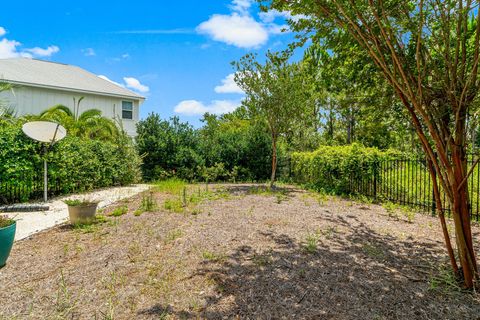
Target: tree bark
x,y
441,215
461,217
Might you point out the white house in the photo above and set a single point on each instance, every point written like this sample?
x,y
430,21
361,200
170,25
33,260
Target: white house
x,y
39,85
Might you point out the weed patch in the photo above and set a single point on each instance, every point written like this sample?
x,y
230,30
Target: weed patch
x,y
148,203
173,235
212,256
120,211
92,226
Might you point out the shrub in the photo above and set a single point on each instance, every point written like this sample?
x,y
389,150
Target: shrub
x,y
74,164
226,148
332,168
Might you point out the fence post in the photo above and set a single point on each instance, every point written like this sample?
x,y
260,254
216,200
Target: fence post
x,y
375,173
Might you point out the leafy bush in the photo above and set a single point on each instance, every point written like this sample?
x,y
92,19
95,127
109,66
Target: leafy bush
x,y
74,164
82,165
169,148
332,169
226,148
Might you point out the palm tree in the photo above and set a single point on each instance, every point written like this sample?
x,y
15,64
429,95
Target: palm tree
x,y
88,124
6,112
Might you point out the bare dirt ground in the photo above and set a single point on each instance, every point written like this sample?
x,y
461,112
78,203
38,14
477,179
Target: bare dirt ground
x,y
241,255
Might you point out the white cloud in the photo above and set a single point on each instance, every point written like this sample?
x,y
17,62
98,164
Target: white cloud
x,y
12,49
195,108
241,6
40,52
229,86
134,84
89,52
277,28
239,30
271,15
8,49
130,83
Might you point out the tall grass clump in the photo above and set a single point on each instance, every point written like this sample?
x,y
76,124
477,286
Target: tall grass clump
x,y
172,186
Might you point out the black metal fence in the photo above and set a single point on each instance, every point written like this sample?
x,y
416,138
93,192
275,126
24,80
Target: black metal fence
x,y
28,185
407,182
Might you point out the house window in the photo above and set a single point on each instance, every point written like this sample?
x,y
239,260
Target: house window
x,y
127,110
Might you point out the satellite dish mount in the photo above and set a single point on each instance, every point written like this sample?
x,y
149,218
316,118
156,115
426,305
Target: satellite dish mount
x,y
48,133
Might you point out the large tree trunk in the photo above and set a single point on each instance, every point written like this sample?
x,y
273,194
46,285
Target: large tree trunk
x,y
452,173
274,160
461,216
441,215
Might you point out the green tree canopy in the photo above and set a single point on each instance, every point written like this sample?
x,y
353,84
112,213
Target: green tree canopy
x,y
275,92
428,52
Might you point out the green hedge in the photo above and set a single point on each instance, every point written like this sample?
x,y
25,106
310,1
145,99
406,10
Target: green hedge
x,y
75,164
331,168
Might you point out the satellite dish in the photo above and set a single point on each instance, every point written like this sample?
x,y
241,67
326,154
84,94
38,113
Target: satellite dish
x,y
47,132
44,131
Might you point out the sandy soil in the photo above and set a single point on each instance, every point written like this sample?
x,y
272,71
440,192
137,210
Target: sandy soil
x,y
29,223
248,256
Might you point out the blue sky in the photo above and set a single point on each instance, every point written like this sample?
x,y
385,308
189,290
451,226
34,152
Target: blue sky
x,y
177,54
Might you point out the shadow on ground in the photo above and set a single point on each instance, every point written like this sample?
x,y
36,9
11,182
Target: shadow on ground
x,y
353,274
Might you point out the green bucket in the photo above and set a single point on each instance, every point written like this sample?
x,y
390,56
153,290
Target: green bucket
x,y
7,235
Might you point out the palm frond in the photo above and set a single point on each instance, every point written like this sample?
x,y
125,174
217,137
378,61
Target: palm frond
x,y
58,109
91,113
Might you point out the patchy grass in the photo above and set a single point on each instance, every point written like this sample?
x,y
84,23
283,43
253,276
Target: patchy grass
x,y
174,205
170,186
262,260
244,257
120,211
65,303
443,280
311,243
173,235
373,251
320,197
279,193
393,211
212,256
313,238
92,226
189,197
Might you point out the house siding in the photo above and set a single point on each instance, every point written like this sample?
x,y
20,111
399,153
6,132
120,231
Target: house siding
x,y
33,100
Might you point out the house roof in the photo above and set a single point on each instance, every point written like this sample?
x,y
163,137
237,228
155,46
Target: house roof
x,y
39,73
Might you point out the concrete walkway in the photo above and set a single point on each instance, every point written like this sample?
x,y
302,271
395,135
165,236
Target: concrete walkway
x,y
29,223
